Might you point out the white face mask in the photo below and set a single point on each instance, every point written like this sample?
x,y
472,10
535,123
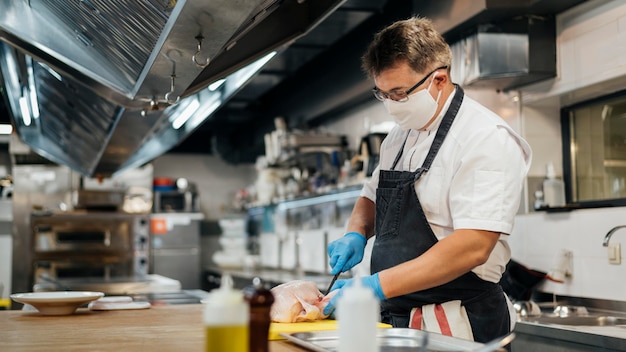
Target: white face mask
x,y
416,112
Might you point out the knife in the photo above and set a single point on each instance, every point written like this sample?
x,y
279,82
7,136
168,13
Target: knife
x,y
332,282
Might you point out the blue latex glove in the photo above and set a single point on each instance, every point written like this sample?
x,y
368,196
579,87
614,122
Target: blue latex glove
x,y
346,252
372,282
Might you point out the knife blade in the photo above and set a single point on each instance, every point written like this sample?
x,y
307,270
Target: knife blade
x,y
332,282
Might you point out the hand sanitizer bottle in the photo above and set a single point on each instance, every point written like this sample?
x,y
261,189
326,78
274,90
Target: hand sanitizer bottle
x,y
553,189
358,312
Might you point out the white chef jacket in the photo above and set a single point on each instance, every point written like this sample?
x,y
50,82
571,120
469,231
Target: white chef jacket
x,y
475,181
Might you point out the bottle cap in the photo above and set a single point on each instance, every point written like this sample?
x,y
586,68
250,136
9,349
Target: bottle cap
x,y
225,294
257,295
225,305
550,171
357,291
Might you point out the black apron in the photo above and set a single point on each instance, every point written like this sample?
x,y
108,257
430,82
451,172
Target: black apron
x,y
403,233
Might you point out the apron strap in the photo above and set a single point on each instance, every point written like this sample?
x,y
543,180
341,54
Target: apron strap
x,y
442,131
397,159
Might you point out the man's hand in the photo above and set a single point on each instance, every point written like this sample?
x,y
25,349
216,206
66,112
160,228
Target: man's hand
x,y
346,252
371,282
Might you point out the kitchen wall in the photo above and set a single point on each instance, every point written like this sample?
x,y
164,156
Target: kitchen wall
x,y
538,240
591,44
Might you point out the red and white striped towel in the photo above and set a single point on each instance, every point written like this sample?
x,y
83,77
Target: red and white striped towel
x,y
449,318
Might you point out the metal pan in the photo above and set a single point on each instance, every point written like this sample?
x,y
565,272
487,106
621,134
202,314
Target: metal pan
x,y
389,340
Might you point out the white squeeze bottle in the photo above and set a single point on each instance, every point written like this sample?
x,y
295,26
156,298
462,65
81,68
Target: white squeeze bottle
x,y
226,316
358,313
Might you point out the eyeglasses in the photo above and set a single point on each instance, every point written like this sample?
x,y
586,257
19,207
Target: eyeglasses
x,y
400,95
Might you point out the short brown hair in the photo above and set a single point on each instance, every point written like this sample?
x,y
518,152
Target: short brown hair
x,y
413,40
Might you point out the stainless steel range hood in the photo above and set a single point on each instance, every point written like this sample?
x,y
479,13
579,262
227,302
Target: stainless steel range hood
x,y
101,86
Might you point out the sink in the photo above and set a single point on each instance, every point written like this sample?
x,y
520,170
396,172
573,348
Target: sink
x,y
603,320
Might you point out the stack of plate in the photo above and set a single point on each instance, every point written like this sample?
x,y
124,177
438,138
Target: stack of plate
x,y
233,242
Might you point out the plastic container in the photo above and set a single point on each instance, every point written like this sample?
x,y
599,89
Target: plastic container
x,y
226,316
163,184
358,313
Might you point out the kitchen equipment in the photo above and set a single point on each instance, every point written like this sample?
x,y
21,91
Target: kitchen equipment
x,y
95,245
175,247
117,61
526,309
175,201
121,285
99,199
117,303
56,303
394,339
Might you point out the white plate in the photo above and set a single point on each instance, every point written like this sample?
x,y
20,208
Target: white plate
x,y
97,305
58,302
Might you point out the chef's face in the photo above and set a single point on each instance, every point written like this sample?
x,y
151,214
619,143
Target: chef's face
x,y
399,79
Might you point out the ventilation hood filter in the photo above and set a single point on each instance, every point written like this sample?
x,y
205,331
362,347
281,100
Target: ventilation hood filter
x,y
91,82
501,60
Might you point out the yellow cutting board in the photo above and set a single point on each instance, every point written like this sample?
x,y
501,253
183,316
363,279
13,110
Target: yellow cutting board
x,y
317,325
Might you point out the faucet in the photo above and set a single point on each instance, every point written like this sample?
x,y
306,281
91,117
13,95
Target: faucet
x,y
608,235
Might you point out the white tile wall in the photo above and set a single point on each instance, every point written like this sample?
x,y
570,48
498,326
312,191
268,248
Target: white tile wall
x,y
584,37
542,130
538,238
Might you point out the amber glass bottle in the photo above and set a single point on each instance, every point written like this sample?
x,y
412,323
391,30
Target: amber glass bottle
x,y
260,300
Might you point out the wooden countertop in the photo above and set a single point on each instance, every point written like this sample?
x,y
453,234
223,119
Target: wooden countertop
x,y
160,328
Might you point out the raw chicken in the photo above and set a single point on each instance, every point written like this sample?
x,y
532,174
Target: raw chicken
x,y
297,301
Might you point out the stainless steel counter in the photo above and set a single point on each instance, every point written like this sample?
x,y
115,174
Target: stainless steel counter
x,y
564,330
151,283
560,338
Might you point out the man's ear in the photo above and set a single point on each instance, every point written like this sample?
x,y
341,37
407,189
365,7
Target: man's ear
x,y
441,80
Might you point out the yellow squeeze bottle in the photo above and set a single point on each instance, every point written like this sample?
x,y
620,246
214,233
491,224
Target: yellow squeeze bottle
x,y
226,316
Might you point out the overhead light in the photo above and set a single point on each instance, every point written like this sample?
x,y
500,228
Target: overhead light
x,y
206,112
185,114
34,105
245,73
25,111
6,129
215,85
52,72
